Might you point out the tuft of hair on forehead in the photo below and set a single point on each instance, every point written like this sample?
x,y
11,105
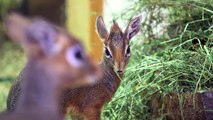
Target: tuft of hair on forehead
x,y
116,35
115,27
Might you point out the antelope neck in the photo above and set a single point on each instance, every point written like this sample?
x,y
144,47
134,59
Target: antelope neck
x,y
39,89
110,74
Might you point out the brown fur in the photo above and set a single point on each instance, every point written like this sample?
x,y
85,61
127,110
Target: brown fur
x,y
88,101
48,71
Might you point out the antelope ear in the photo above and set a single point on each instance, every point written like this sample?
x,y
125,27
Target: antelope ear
x,y
133,27
44,35
15,27
101,28
35,35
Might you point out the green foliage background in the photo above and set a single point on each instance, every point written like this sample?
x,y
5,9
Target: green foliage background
x,y
180,61
11,55
170,63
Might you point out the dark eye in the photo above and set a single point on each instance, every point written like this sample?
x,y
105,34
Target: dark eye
x,y
78,55
108,55
128,51
75,55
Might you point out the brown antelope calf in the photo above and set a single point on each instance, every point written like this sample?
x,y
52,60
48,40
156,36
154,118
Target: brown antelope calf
x,y
56,60
88,101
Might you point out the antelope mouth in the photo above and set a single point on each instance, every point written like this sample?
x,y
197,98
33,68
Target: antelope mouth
x,y
120,71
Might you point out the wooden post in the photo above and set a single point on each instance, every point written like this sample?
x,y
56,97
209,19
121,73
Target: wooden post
x,y
95,42
81,16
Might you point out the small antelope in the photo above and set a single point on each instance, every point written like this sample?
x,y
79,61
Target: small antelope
x,y
87,102
56,61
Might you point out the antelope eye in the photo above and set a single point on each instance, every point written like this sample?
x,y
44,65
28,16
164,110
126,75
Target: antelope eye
x,y
75,55
128,51
108,55
78,55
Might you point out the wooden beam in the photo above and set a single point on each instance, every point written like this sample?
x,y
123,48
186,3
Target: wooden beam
x,y
81,17
95,42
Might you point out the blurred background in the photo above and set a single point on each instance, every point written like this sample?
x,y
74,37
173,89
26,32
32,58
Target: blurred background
x,y
171,56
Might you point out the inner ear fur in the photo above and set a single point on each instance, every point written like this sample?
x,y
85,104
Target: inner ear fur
x,y
101,28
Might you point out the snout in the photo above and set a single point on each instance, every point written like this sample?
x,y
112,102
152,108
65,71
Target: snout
x,y
119,71
119,67
95,72
88,74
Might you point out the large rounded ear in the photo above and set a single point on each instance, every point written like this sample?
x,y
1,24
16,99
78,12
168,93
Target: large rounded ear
x,y
133,27
101,28
35,36
15,27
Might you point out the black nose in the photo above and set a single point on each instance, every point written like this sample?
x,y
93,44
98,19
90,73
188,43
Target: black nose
x,y
119,71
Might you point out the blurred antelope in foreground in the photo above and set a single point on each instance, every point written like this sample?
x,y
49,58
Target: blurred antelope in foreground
x,y
56,60
87,102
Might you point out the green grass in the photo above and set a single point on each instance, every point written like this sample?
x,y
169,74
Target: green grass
x,y
4,88
171,69
11,62
157,66
11,55
162,66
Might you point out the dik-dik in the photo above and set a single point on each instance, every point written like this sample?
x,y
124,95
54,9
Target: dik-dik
x,y
56,61
88,101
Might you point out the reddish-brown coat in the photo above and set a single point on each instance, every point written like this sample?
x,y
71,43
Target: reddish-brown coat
x,y
87,102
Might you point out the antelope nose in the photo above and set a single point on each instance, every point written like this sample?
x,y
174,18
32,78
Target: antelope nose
x,y
119,71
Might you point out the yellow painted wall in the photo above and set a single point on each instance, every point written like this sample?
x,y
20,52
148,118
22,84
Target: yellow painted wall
x,y
81,16
77,15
